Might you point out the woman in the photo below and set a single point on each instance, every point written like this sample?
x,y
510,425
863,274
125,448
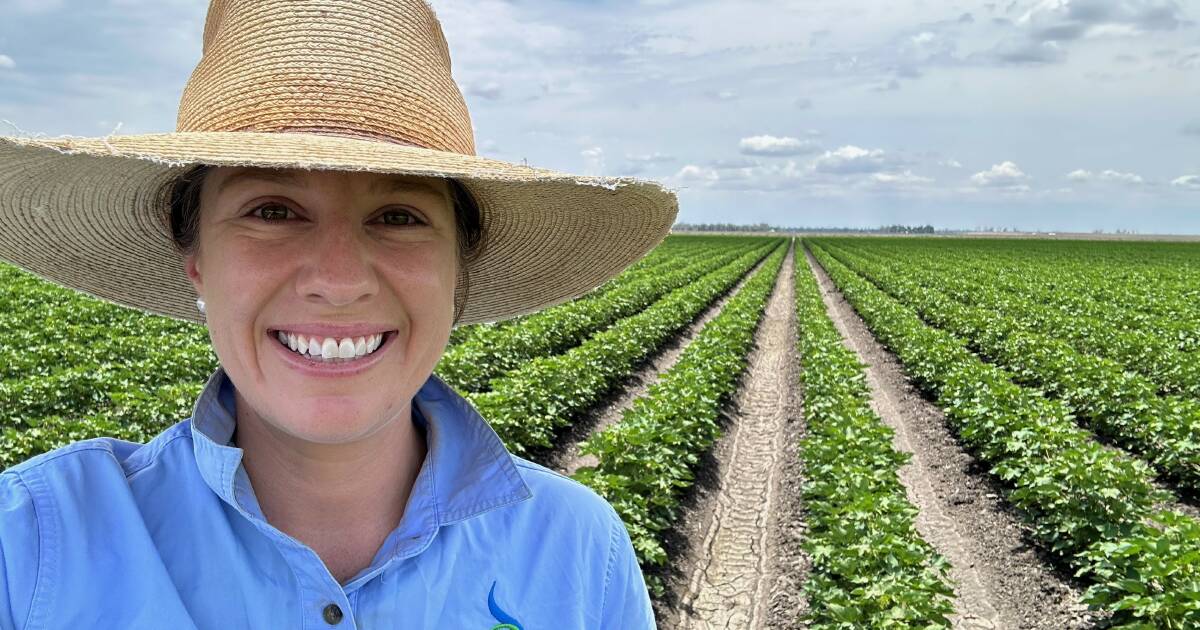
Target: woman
x,y
321,205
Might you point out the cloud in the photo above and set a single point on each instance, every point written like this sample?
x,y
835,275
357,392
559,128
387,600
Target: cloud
x,y
1191,129
1025,52
636,164
593,160
650,158
924,37
852,159
1187,182
773,146
488,89
1062,20
901,180
804,103
1109,175
950,163
1187,62
890,86
1002,175
693,174
7,62
722,95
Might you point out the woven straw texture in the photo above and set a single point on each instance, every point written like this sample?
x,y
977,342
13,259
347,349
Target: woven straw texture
x,y
315,84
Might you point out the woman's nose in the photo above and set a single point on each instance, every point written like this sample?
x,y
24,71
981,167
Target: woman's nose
x,y
338,267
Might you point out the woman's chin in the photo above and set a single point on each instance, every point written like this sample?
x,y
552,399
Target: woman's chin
x,y
338,425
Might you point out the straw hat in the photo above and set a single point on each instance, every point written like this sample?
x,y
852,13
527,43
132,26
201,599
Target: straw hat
x,y
317,84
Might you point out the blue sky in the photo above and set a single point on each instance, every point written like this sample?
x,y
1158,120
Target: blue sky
x,y
1050,114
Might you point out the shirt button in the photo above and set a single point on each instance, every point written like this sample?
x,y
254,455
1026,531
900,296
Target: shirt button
x,y
333,614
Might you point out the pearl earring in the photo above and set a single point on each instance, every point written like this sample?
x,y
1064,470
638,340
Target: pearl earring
x,y
200,305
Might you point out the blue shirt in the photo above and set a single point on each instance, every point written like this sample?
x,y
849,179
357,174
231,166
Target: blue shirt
x,y
105,533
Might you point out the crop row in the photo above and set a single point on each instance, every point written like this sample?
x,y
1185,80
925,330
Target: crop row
x,y
1158,358
675,251
1150,288
1114,402
472,365
1089,505
646,459
529,404
870,568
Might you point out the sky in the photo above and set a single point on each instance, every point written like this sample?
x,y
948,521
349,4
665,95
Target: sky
x,y
1071,115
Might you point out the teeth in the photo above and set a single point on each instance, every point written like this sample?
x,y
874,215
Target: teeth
x,y
327,349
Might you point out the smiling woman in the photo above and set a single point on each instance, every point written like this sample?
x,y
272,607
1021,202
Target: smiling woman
x,y
331,224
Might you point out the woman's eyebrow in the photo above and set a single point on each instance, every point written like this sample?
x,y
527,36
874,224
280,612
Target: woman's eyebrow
x,y
278,176
267,175
392,185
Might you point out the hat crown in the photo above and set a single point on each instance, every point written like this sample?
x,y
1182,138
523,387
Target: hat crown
x,y
370,69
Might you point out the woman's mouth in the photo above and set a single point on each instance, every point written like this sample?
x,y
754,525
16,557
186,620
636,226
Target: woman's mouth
x,y
331,349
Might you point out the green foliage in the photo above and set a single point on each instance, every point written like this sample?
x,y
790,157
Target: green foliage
x,y
646,459
471,365
527,405
1090,506
870,568
1114,400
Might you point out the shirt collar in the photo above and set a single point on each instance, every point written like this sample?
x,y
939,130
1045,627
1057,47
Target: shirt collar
x,y
467,469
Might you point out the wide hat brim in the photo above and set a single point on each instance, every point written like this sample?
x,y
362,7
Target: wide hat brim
x,y
87,213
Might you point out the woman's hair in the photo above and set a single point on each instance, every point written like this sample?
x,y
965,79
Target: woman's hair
x,y
183,218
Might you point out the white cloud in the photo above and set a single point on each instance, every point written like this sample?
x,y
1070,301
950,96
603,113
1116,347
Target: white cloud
x,y
693,174
1003,175
593,160
951,163
7,62
1188,182
905,178
923,37
1109,175
852,159
776,146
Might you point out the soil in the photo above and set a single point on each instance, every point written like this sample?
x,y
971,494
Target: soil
x,y
1003,579
739,562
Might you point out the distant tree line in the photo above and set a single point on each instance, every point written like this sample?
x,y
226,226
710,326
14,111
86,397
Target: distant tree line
x,y
764,227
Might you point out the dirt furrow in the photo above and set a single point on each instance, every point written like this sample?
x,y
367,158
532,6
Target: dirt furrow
x,y
733,565
568,459
1002,582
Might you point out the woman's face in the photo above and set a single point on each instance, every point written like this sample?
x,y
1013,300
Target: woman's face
x,y
327,256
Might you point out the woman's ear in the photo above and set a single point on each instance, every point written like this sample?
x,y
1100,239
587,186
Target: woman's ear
x,y
191,266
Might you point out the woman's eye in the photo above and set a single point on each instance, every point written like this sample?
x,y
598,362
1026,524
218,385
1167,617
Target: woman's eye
x,y
271,212
398,217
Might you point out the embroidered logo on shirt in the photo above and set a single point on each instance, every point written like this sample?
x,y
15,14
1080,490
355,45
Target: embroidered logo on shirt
x,y
507,622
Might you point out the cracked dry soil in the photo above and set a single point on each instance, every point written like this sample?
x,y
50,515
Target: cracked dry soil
x,y
742,563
